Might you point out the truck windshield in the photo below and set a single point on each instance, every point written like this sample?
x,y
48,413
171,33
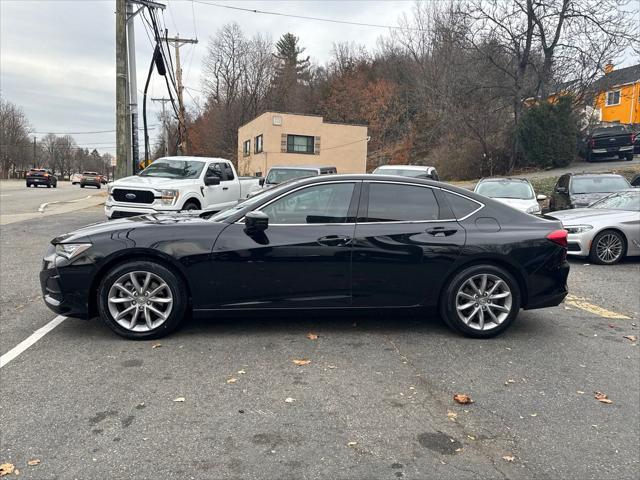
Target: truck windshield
x,y
505,189
168,168
279,175
599,184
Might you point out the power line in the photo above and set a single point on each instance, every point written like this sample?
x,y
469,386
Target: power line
x,y
304,17
81,133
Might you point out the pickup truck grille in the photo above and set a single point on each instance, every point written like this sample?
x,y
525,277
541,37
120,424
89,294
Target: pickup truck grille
x,y
132,196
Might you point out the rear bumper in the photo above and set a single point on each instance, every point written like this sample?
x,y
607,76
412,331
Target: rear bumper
x,y
548,285
609,152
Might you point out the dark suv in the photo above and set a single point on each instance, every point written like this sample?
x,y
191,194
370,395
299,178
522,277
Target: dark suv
x,y
577,190
41,176
93,179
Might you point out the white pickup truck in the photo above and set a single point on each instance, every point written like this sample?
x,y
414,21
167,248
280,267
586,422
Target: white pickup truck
x,y
171,184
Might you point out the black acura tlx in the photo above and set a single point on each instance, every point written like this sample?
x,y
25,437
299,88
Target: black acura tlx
x,y
321,243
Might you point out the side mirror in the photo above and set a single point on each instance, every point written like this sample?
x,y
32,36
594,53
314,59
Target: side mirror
x,y
261,182
255,222
541,197
211,181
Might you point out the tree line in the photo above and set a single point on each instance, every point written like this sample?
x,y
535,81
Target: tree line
x,y
456,85
60,153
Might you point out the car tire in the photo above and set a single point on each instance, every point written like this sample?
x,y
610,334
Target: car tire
x,y
190,205
629,157
112,301
82,185
608,248
48,185
492,316
99,187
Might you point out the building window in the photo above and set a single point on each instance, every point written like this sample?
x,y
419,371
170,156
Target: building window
x,y
247,148
613,98
299,144
258,144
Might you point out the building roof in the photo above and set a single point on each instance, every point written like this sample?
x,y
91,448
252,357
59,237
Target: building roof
x,y
619,77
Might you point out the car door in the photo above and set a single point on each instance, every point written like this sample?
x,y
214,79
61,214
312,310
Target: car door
x,y
405,244
303,258
560,195
223,195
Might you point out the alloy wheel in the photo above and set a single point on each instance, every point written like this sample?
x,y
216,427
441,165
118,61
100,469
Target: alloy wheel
x,y
140,301
609,248
483,301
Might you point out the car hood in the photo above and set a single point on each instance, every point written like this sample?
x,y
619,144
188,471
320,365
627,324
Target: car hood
x,y
591,216
588,198
152,182
115,227
518,203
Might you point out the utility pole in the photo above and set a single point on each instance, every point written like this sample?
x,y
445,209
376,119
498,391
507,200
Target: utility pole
x,y
35,155
164,123
122,141
177,42
133,88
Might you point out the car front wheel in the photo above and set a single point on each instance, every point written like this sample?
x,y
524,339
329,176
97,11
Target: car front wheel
x,y
481,301
142,300
607,248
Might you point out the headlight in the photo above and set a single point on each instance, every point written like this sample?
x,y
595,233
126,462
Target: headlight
x,y
168,197
578,228
70,250
534,209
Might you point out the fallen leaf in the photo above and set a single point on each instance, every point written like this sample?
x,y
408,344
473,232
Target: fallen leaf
x,y
459,449
289,400
179,399
601,397
156,345
509,381
352,444
33,462
241,372
533,414
301,362
508,458
232,380
631,338
6,469
16,472
611,325
312,336
579,392
462,398
332,366
452,415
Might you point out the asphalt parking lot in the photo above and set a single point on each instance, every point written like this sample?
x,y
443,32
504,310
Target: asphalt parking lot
x,y
374,402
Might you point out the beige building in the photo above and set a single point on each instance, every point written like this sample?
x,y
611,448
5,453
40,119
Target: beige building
x,y
288,139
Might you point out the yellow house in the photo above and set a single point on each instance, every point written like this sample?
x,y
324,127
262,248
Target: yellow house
x,y
618,95
276,139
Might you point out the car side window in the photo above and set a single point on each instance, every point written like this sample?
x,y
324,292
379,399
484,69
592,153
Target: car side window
x,y
461,206
390,202
228,171
215,170
563,181
317,204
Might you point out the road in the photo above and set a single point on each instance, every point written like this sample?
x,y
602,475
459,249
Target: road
x,y
374,403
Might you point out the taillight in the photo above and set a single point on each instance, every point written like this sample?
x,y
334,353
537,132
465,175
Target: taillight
x,y
633,137
559,237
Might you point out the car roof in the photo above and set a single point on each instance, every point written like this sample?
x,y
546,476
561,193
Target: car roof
x,y
298,167
595,174
404,167
503,179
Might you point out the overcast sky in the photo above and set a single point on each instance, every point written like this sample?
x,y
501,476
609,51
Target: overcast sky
x,y
57,58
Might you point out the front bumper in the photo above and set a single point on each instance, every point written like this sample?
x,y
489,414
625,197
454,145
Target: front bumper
x,y
118,209
579,243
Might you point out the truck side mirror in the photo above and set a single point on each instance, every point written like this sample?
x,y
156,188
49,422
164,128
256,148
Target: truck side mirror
x,y
255,222
211,181
261,182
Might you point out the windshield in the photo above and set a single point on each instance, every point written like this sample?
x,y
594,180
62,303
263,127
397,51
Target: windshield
x,y
620,201
505,189
168,168
403,172
598,184
245,203
279,175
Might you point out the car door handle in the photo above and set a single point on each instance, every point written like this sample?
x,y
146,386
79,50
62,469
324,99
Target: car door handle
x,y
334,241
441,231
225,188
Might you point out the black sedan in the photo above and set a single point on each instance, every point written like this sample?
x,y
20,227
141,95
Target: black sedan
x,y
321,243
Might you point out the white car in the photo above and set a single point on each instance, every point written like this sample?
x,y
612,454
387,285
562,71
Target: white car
x,y
172,184
415,171
515,192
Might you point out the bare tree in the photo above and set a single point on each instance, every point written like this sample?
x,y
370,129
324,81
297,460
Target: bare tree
x,y
15,151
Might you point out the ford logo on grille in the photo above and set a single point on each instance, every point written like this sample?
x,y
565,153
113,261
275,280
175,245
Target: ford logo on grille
x,y
130,196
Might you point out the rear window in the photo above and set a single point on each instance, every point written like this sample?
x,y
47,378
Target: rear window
x,y
600,184
461,206
616,130
390,202
276,175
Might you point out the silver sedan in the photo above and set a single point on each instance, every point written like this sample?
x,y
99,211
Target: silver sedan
x,y
607,230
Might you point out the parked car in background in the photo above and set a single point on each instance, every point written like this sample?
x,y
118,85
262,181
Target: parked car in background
x,y
607,142
515,192
75,178
321,243
171,184
278,175
41,176
606,231
575,190
90,179
415,171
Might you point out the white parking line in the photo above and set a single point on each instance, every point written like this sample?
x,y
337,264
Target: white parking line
x,y
30,340
46,204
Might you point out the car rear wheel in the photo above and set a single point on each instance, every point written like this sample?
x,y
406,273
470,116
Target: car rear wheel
x,y
142,300
608,248
481,301
629,157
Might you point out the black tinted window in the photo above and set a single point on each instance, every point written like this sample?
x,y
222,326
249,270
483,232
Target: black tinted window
x,y
228,171
393,203
460,206
214,170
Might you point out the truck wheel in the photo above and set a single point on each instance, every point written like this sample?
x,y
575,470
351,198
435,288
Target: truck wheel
x,y
82,185
589,157
629,157
191,205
